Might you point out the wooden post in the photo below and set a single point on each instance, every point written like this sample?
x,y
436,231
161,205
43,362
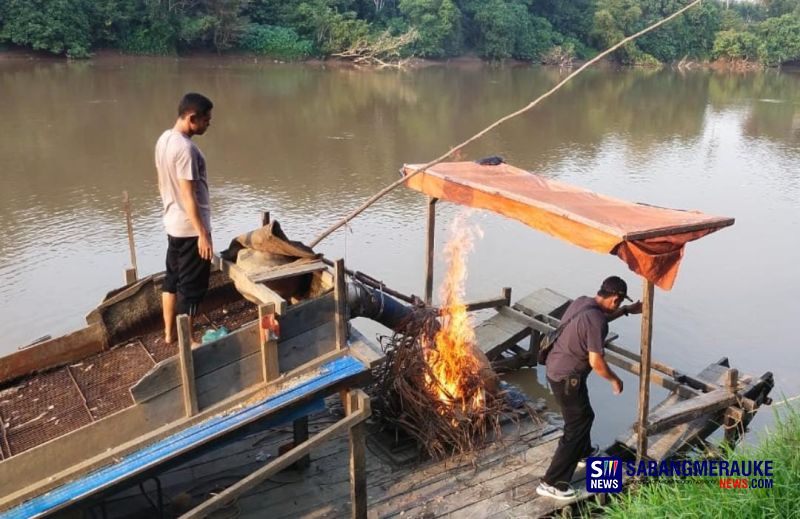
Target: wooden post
x,y
187,365
126,206
733,415
734,422
431,229
269,343
507,295
358,401
732,379
300,433
265,218
644,372
340,295
533,348
130,276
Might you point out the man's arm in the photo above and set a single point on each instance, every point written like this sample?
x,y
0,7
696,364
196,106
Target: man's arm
x,y
601,367
204,245
633,308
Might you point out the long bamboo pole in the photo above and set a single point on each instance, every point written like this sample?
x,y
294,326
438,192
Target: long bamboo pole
x,y
380,194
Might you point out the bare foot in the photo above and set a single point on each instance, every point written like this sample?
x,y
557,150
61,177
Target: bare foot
x,y
168,339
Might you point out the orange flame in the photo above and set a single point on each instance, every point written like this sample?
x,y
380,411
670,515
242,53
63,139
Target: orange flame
x,y
451,357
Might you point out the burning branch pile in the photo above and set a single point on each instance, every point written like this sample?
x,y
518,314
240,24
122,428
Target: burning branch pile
x,y
435,384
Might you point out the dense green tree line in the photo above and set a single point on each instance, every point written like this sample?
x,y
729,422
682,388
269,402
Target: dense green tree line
x,y
539,30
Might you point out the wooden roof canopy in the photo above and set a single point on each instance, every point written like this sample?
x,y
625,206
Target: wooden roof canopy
x,y
649,239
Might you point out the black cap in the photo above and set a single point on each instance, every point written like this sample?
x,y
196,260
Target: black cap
x,y
615,285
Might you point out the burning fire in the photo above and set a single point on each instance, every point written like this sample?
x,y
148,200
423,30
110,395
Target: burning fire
x,y
455,369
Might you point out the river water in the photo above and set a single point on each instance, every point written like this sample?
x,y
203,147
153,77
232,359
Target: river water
x,y
310,142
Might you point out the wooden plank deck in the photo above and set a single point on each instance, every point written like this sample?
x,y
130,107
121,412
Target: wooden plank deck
x,y
499,479
503,331
543,302
499,333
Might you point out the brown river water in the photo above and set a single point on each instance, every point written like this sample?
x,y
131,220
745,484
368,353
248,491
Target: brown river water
x,y
309,143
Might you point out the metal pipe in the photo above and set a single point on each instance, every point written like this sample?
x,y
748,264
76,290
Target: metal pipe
x,y
377,305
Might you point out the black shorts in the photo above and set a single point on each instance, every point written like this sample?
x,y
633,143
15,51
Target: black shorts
x,y
187,273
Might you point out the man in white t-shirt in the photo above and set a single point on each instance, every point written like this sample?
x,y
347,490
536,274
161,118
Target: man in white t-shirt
x,y
183,184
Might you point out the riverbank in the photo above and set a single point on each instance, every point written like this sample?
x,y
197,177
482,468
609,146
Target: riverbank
x,y
466,61
703,497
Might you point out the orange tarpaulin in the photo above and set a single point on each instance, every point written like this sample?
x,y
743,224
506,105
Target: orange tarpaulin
x,y
649,239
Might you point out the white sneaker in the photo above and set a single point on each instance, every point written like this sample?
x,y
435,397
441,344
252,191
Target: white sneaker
x,y
551,491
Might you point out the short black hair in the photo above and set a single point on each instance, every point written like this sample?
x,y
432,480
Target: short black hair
x,y
614,286
194,102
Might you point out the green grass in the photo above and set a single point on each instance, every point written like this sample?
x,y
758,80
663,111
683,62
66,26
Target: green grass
x,y
702,497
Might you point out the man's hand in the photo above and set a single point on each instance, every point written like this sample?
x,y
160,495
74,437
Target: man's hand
x,y
600,366
634,308
616,386
204,246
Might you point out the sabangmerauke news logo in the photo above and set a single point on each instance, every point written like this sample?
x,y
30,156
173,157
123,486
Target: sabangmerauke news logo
x,y
604,475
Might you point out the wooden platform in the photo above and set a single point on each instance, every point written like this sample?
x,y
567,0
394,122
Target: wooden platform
x,y
500,335
499,482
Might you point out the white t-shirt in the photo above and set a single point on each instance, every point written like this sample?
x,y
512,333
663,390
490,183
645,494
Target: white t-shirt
x,y
177,157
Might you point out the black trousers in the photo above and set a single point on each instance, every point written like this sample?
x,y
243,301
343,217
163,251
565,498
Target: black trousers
x,y
572,395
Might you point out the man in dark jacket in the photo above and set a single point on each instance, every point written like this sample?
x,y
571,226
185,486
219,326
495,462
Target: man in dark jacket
x,y
579,350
